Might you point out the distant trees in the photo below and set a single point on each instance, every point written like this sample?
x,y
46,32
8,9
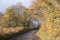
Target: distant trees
x,y
1,15
25,18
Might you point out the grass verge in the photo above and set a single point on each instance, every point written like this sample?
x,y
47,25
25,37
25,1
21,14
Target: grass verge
x,y
11,35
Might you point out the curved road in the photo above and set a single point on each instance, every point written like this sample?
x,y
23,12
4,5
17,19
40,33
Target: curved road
x,y
31,35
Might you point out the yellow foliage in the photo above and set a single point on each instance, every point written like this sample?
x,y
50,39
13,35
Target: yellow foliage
x,y
51,12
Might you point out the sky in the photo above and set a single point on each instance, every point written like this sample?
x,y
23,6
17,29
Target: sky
x,y
6,3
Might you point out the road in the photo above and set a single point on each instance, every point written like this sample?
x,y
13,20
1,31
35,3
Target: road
x,y
31,35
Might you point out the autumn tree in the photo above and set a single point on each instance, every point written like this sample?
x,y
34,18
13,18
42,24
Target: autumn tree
x,y
49,11
15,16
8,20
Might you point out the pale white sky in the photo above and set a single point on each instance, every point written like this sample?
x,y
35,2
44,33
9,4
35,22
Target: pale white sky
x,y
6,3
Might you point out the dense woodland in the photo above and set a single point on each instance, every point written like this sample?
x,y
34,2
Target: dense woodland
x,y
46,11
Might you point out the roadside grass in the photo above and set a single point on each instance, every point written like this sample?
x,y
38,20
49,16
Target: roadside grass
x,y
4,35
